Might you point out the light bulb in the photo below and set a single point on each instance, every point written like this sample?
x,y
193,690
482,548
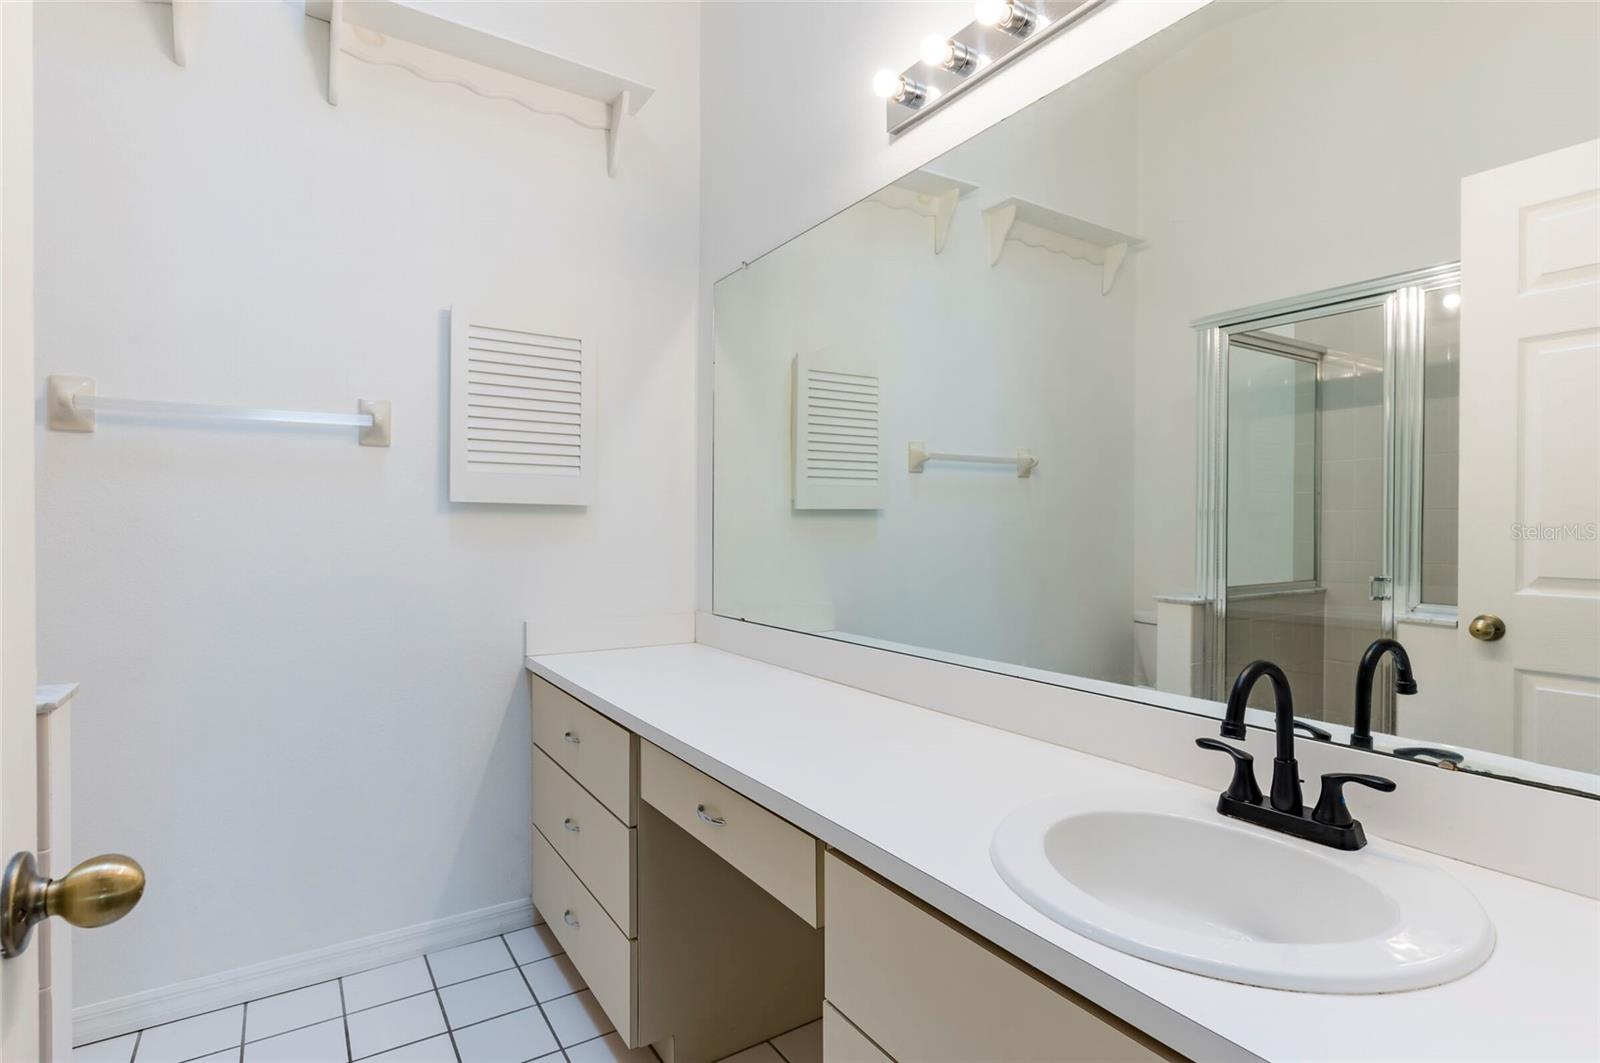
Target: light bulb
x,y
1451,301
888,84
947,53
991,12
899,88
1013,16
937,50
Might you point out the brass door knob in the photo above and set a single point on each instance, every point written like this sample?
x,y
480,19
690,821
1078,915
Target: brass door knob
x,y
1486,627
98,891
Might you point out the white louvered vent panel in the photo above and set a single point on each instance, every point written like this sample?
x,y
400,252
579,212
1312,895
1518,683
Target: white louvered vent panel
x,y
838,443
521,411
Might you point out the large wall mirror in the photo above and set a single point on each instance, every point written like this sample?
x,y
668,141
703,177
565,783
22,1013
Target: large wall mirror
x,y
1232,348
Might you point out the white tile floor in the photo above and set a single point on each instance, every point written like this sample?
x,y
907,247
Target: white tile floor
x,y
509,999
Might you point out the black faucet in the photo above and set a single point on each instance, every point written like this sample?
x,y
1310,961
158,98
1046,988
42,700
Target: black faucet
x,y
1285,772
1404,683
1330,823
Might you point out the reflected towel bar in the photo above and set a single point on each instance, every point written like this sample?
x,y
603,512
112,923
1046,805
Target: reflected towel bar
x,y
918,455
72,404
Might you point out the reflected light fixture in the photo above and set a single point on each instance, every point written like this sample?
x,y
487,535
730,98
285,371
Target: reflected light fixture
x,y
1451,301
898,87
1015,18
948,53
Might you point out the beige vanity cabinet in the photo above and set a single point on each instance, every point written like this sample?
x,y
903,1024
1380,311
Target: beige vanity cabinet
x,y
905,983
690,911
706,923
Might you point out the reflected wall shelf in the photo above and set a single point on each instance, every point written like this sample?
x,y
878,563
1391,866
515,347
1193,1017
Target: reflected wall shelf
x,y
389,33
929,194
1050,230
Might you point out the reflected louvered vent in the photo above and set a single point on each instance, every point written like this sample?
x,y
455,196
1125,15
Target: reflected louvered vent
x,y
521,411
838,440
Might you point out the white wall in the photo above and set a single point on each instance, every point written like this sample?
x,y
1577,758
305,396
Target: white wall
x,y
302,667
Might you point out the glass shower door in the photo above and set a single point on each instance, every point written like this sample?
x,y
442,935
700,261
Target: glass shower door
x,y
1353,566
1305,504
1273,601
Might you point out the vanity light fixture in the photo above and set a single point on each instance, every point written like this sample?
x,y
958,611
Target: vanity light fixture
x,y
949,53
898,88
1015,18
1451,301
951,64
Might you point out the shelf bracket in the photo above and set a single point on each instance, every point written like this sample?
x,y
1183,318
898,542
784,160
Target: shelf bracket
x,y
998,223
939,206
1113,262
336,32
181,24
618,119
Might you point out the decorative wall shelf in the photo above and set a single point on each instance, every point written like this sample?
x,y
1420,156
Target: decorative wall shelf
x,y
1050,230
932,195
390,33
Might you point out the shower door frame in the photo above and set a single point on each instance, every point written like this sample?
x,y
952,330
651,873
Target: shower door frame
x,y
1402,296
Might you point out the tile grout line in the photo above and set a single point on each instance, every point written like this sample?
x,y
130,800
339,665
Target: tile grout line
x,y
536,1001
396,1048
444,1015
344,1020
307,1025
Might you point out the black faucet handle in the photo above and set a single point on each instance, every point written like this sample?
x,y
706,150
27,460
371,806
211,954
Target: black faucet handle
x,y
1445,758
1243,786
1331,808
1314,731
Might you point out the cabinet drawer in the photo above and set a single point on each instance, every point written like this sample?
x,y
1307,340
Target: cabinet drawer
x,y
843,1043
594,843
592,749
924,989
596,947
778,856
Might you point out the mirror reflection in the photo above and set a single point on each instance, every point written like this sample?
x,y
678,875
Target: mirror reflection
x,y
1228,350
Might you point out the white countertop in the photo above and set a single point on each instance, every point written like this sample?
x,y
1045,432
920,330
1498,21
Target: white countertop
x,y
50,697
916,795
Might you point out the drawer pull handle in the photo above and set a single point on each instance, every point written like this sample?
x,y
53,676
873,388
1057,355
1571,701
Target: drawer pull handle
x,y
571,824
569,918
568,736
706,817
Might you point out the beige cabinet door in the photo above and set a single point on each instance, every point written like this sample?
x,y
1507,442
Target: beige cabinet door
x,y
1530,457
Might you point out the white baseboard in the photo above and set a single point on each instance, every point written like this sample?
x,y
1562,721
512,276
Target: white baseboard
x,y
109,1018
582,634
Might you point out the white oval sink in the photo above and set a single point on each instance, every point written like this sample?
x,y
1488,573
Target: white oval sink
x,y
1212,896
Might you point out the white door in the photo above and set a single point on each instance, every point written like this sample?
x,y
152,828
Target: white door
x,y
1530,454
19,977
